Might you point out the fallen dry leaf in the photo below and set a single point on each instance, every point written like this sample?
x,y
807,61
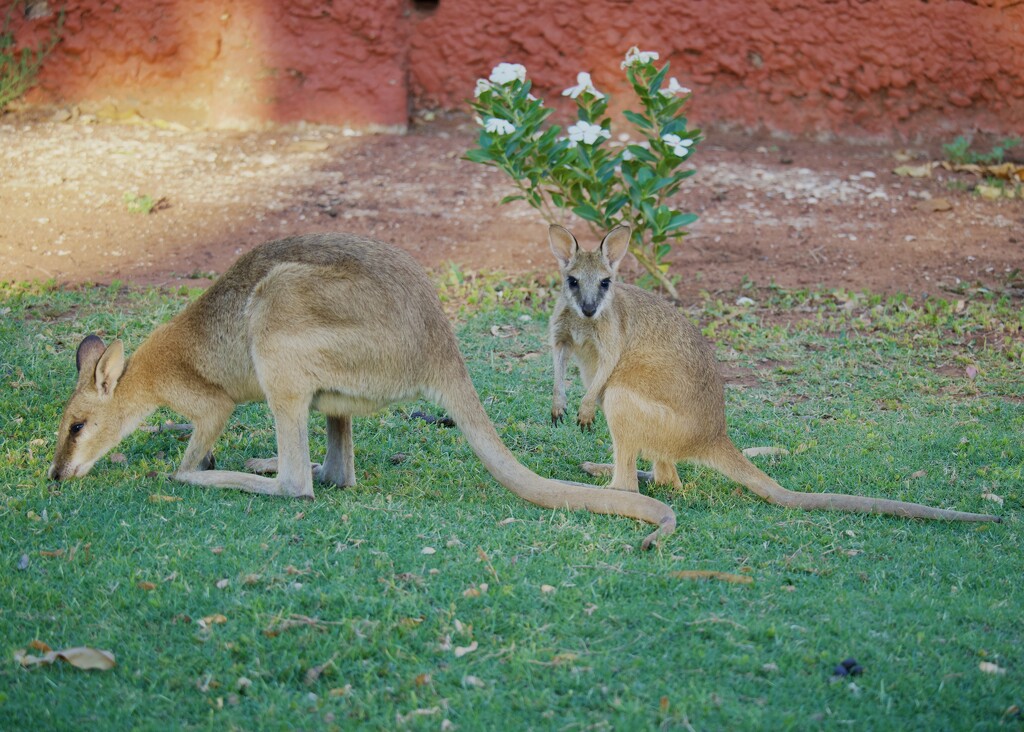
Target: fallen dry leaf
x,y
406,718
209,620
461,651
147,586
992,497
918,474
159,498
756,451
473,681
698,574
504,331
987,667
990,193
118,458
935,205
915,171
80,657
428,550
221,584
547,589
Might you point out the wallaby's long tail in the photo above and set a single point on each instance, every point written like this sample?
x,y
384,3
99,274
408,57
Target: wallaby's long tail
x,y
727,459
468,413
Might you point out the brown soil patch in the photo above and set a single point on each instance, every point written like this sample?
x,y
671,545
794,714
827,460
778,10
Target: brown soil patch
x,y
800,214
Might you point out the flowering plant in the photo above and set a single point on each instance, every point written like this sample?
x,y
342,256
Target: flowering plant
x,y
604,182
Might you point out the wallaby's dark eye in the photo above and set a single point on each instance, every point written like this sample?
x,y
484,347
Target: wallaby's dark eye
x,y
76,428
573,282
606,283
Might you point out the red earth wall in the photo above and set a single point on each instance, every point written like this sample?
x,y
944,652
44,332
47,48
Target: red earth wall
x,y
857,68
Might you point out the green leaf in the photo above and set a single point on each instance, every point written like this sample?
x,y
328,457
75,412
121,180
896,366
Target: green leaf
x,y
638,119
680,219
589,213
510,199
642,153
655,84
615,205
480,156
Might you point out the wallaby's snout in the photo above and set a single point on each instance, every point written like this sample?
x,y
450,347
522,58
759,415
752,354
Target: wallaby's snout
x,y
589,297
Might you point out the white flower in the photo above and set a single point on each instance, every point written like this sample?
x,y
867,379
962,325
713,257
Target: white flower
x,y
583,84
507,73
636,56
482,85
498,126
673,88
586,133
680,146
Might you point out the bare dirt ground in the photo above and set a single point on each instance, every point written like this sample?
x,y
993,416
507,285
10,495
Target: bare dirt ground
x,y
800,214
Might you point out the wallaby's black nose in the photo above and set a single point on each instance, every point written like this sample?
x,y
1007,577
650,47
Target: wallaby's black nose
x,y
588,309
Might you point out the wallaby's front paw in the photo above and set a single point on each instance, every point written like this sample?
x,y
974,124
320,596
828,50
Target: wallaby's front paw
x,y
557,415
585,417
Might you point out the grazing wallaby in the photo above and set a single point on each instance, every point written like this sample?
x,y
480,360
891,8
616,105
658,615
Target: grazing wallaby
x,y
656,378
333,322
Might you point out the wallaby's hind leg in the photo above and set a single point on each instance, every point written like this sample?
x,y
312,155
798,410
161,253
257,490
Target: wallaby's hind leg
x,y
339,466
295,475
665,473
599,470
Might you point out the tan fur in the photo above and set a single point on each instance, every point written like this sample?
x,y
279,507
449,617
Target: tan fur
x,y
656,378
337,323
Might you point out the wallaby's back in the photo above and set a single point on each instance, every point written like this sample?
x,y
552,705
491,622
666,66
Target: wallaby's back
x,y
351,274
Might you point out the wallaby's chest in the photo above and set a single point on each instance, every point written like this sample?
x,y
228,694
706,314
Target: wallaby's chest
x,y
588,340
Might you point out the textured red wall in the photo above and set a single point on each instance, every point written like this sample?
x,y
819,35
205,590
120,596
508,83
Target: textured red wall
x,y
881,68
231,62
799,66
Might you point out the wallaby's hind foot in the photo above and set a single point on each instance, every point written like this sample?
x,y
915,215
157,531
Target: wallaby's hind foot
x,y
262,466
603,470
663,473
268,466
246,482
598,470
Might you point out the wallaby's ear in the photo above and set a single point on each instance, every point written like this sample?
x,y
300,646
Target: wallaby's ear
x,y
109,368
616,243
89,352
87,356
563,244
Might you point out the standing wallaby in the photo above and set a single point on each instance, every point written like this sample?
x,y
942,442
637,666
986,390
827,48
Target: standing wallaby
x,y
332,322
656,378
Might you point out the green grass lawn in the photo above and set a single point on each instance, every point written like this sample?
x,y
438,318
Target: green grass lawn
x,y
430,598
